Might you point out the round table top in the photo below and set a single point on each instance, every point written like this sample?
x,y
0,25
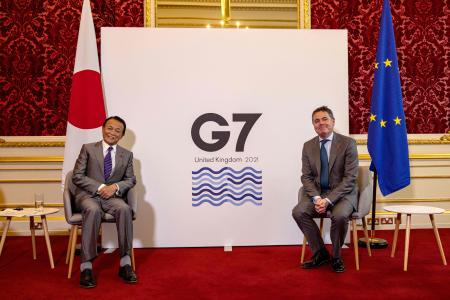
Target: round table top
x,y
28,212
414,209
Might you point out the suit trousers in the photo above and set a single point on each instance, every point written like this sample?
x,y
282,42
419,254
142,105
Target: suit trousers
x,y
92,211
304,214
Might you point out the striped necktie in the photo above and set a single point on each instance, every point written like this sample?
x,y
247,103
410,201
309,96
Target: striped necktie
x,y
323,166
107,167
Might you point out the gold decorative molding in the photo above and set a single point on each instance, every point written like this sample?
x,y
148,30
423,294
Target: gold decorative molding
x,y
430,176
307,14
384,213
445,137
193,25
444,140
147,13
50,180
31,144
366,156
15,159
412,200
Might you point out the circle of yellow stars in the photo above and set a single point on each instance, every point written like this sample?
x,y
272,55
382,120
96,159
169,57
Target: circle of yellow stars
x,y
387,63
397,120
373,118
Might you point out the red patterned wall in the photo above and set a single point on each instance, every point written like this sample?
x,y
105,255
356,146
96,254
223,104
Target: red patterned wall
x,y
38,41
422,30
37,52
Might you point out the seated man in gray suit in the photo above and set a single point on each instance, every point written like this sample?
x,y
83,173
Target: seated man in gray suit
x,y
329,172
103,174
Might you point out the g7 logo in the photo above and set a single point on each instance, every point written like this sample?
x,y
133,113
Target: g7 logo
x,y
222,137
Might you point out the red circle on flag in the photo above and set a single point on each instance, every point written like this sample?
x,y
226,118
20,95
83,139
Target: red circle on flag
x,y
86,108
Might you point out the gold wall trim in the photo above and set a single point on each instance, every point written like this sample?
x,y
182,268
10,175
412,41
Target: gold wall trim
x,y
383,213
445,137
441,141
182,25
14,205
366,156
49,180
430,176
231,22
6,144
306,14
147,13
412,200
11,159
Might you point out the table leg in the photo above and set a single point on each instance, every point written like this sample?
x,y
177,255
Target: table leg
x,y
33,236
397,226
5,231
47,241
408,229
438,240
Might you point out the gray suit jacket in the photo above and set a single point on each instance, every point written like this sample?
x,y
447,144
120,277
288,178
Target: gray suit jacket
x,y
343,170
88,171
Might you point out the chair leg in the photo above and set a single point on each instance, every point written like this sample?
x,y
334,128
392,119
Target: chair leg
x,y
68,245
366,235
355,243
133,264
321,227
302,258
74,233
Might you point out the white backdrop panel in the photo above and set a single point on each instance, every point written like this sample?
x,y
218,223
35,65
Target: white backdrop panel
x,y
161,80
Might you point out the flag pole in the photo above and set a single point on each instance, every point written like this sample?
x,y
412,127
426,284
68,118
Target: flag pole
x,y
375,243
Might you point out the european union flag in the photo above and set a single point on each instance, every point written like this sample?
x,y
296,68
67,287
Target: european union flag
x,y
387,139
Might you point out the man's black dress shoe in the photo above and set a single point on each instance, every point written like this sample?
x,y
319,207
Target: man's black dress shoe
x,y
320,258
87,280
338,265
127,274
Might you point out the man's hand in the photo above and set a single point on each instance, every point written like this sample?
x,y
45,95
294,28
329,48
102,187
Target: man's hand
x,y
107,191
321,205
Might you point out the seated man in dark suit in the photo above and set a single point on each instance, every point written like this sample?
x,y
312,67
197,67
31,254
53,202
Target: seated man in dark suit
x,y
329,172
103,174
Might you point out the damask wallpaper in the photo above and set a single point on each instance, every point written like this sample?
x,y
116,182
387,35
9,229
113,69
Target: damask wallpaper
x,y
38,43
37,52
422,30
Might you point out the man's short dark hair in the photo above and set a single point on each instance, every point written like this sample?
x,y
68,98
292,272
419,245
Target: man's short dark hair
x,y
119,119
325,109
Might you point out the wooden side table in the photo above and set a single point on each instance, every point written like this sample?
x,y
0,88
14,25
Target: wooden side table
x,y
413,210
31,213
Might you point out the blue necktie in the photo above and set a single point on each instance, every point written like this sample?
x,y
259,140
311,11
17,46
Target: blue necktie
x,y
107,164
323,166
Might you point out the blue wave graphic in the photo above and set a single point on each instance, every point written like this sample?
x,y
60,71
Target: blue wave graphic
x,y
235,187
226,174
210,197
226,186
225,201
226,169
226,190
